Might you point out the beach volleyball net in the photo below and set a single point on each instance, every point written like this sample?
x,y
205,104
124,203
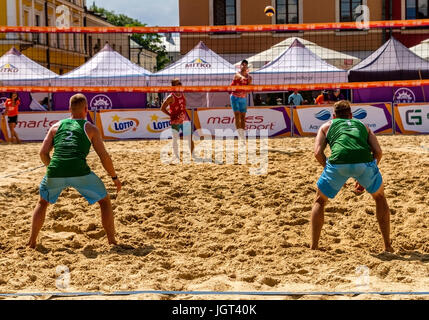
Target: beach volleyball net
x,y
303,57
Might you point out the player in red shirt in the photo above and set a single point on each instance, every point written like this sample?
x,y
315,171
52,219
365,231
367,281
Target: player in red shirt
x,y
175,107
12,105
323,98
239,99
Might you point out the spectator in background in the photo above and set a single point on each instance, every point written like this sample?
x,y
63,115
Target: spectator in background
x,y
337,96
258,100
12,105
156,103
323,98
45,103
296,99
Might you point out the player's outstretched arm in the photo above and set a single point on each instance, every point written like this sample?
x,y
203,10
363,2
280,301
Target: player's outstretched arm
x,y
375,146
106,160
320,144
47,145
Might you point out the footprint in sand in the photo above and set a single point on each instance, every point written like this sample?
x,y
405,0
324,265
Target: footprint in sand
x,y
271,282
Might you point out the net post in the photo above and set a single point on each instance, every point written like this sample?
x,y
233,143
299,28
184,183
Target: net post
x,y
292,123
192,118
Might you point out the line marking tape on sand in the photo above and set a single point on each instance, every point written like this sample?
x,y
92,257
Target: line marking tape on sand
x,y
287,152
23,171
242,293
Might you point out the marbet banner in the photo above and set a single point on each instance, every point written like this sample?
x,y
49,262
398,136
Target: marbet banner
x,y
33,126
308,119
132,124
412,118
274,119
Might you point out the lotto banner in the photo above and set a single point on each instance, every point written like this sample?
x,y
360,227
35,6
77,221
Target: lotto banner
x,y
33,126
412,118
276,120
133,124
308,119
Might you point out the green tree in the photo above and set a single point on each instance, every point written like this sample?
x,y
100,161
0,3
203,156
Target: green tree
x,y
149,41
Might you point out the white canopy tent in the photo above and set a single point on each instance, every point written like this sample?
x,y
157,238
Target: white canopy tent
x,y
335,58
199,67
422,49
17,69
106,68
298,65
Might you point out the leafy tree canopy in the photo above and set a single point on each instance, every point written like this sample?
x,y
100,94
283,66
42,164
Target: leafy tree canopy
x,y
149,41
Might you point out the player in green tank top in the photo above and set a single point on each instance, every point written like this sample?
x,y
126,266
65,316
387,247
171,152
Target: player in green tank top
x,y
348,140
71,140
71,146
355,153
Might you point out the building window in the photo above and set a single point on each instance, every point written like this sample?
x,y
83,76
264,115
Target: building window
x,y
416,9
286,11
348,11
225,12
75,48
37,24
90,46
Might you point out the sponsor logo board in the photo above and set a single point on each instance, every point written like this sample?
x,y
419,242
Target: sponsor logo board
x,y
412,118
117,124
100,102
273,120
33,126
308,120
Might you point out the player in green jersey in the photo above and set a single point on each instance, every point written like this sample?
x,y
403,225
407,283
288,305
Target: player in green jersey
x,y
71,140
355,152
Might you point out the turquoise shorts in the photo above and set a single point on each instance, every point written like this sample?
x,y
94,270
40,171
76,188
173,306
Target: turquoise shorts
x,y
89,186
238,104
185,127
334,176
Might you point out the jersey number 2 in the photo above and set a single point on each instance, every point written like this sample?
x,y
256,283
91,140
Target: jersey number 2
x,y
70,135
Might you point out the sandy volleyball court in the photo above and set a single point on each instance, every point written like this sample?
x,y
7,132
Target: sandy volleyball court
x,y
208,227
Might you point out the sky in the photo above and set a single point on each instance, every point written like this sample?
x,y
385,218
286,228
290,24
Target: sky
x,y
151,12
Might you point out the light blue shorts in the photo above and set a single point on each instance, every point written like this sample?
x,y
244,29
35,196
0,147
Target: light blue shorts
x,y
185,127
334,176
239,104
89,186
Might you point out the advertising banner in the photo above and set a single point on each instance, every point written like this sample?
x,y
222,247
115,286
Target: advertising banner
x,y
33,126
274,119
103,101
2,128
308,119
391,94
412,118
133,124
